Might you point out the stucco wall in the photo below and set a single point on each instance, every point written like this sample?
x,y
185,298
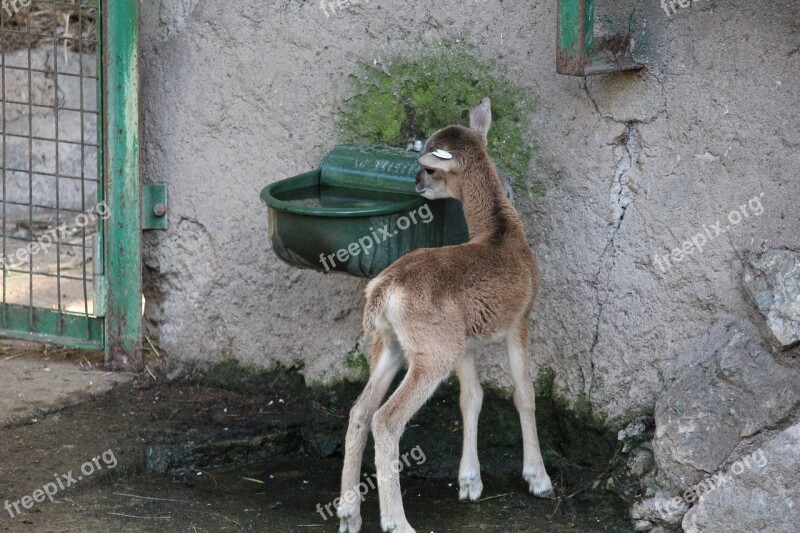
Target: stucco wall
x,y
239,94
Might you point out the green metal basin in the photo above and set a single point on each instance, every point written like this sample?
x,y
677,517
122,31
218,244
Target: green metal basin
x,y
358,213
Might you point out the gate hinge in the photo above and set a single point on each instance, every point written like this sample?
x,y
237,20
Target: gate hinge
x,y
154,206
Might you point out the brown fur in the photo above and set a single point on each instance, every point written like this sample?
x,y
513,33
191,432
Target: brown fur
x,y
430,305
475,276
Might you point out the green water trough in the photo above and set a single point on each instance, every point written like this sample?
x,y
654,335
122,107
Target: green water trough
x,y
358,213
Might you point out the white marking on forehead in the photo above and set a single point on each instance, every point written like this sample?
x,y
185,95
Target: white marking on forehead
x,y
442,154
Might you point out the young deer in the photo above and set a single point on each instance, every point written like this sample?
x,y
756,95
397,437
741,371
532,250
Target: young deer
x,y
430,307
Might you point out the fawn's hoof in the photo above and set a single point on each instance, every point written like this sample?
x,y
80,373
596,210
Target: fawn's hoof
x,y
350,518
470,487
394,527
540,486
350,525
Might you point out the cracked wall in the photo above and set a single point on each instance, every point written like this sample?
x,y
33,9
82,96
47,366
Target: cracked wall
x,y
238,95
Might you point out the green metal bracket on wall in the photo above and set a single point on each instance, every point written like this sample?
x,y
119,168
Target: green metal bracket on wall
x,y
577,52
123,238
154,207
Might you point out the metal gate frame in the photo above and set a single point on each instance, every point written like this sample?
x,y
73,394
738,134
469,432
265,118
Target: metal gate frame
x,y
122,233
116,327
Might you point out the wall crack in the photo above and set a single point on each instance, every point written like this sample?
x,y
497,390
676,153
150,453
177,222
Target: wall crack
x,y
623,192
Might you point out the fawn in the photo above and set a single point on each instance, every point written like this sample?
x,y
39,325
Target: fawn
x,y
430,308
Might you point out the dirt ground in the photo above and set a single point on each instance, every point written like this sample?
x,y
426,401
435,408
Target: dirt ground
x,y
224,450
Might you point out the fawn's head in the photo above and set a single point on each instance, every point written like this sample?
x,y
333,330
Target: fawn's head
x,y
449,151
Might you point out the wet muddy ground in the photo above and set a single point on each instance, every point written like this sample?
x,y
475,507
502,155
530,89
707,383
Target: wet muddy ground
x,y
232,451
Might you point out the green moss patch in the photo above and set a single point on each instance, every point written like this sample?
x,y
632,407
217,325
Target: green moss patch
x,y
411,96
574,429
358,361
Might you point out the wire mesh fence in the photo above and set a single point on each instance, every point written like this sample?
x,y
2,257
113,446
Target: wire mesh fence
x,y
50,119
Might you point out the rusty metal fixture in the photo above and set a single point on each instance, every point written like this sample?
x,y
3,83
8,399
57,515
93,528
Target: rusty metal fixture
x,y
577,51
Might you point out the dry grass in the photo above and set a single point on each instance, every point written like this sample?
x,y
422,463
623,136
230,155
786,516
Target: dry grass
x,y
47,21
14,349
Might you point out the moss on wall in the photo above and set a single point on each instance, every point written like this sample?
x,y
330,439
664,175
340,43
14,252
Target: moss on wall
x,y
413,95
581,408
356,359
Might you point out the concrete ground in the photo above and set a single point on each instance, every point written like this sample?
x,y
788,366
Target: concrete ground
x,y
37,379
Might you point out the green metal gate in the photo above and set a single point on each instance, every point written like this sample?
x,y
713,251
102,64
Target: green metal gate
x,y
71,231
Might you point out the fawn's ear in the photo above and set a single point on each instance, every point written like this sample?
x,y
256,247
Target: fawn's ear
x,y
480,118
435,162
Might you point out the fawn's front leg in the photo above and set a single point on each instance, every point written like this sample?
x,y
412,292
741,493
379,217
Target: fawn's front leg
x,y
533,466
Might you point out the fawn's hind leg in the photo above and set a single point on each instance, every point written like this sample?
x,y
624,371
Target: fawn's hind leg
x,y
469,472
387,428
387,358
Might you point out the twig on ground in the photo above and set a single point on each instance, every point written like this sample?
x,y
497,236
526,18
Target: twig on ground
x,y
142,517
150,498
